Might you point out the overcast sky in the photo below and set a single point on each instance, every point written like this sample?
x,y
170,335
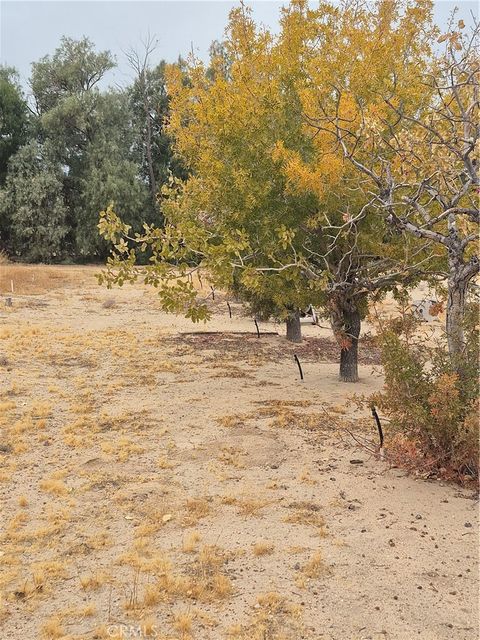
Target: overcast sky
x,y
30,30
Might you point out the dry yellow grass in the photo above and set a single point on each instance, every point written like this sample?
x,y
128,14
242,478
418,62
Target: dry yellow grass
x,y
252,507
263,548
183,624
92,581
274,617
195,509
315,566
26,279
190,541
52,629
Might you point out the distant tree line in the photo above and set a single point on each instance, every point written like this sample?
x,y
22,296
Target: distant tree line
x,y
74,148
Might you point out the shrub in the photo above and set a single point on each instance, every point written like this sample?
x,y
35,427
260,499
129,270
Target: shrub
x,y
432,402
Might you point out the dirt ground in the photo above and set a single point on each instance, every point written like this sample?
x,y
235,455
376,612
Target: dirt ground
x,y
160,483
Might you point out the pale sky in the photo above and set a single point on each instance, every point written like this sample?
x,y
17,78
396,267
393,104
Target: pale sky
x,y
32,29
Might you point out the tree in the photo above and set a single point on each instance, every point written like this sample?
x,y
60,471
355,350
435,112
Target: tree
x,y
110,172
334,240
150,108
235,211
270,207
32,203
74,69
418,159
94,135
357,48
227,124
149,98
13,118
67,98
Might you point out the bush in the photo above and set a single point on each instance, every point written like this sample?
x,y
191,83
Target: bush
x,y
432,402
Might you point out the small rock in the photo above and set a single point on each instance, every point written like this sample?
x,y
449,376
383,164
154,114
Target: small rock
x,y
356,461
468,525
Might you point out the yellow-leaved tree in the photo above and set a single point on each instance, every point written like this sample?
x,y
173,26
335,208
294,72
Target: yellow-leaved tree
x,y
411,134
273,209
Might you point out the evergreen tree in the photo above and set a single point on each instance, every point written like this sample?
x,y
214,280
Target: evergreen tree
x,y
13,118
32,205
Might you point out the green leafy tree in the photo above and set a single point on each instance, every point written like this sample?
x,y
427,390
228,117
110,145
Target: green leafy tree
x,y
33,205
110,172
94,135
236,203
13,118
66,95
149,102
74,69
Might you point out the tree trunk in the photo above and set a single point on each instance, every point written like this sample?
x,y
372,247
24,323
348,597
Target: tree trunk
x,y
294,328
148,150
349,356
459,278
455,313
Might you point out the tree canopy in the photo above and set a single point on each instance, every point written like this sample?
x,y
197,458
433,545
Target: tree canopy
x,y
13,118
274,209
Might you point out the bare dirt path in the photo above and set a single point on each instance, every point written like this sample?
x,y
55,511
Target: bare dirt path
x,y
164,485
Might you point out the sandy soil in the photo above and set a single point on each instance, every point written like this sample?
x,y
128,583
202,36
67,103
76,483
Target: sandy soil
x,y
160,483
